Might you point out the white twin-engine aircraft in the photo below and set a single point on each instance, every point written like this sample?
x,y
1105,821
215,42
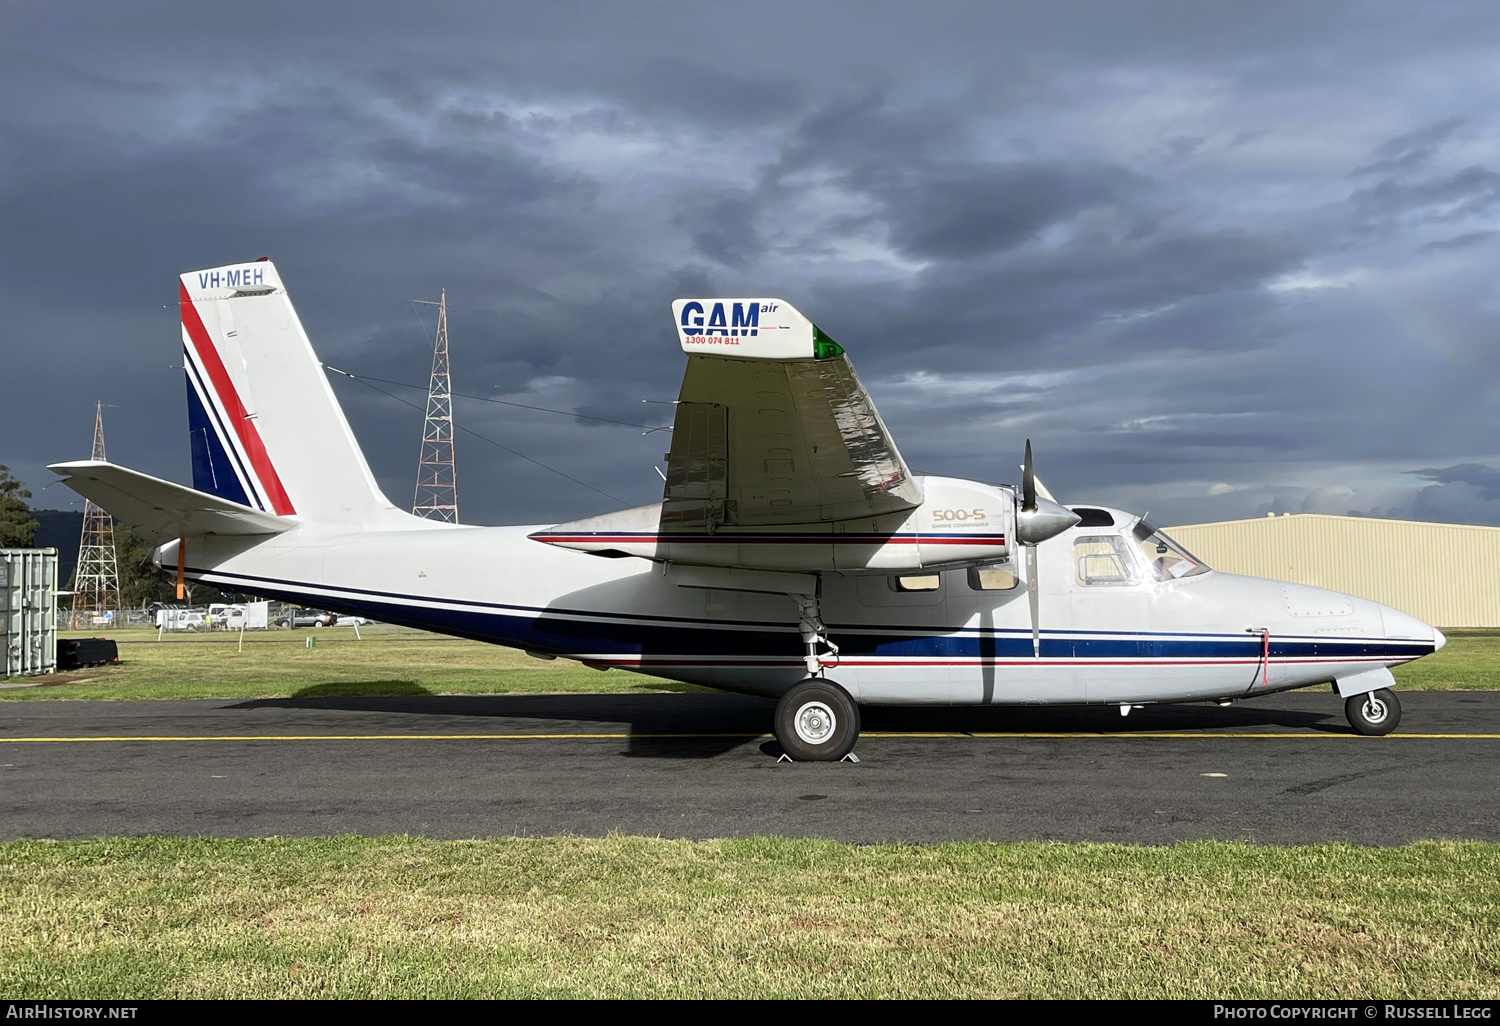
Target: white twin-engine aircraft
x,y
794,553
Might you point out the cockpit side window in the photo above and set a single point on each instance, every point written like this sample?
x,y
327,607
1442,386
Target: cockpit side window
x,y
1168,560
1104,560
1090,517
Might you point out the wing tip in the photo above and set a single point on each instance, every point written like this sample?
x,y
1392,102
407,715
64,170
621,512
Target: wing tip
x,y
72,465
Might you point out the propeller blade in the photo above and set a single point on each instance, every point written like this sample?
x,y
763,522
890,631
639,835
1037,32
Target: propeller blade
x,y
1036,523
1028,482
1033,598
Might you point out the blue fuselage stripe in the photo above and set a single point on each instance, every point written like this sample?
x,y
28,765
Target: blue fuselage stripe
x,y
584,633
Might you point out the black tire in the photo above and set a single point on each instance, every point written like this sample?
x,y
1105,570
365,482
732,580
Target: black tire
x,y
1374,714
817,721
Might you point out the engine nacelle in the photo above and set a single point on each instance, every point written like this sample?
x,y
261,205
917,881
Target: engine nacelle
x,y
963,523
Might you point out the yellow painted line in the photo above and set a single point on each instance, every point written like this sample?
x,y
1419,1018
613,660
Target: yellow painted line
x,y
912,735
367,737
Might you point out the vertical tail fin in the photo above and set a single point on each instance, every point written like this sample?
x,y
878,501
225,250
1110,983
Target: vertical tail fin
x,y
266,429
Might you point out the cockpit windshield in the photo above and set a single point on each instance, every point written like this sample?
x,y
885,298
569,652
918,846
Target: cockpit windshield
x,y
1168,560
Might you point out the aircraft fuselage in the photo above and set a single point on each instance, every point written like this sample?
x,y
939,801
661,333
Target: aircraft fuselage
x,y
1210,636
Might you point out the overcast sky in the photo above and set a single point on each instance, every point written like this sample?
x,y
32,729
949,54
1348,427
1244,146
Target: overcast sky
x,y
1213,259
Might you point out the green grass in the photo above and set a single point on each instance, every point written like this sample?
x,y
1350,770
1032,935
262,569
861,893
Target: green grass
x,y
633,917
1469,662
277,664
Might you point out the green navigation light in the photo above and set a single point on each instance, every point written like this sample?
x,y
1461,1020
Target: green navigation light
x,y
825,348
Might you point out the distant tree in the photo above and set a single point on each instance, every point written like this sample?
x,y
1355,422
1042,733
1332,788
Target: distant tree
x,y
142,582
17,525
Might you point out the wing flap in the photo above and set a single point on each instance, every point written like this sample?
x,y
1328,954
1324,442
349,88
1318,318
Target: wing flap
x,y
160,511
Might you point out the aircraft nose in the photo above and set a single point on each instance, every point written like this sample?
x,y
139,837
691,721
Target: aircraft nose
x,y
1404,625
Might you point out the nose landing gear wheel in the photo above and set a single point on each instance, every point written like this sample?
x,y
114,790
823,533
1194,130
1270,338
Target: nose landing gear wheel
x,y
1373,714
817,721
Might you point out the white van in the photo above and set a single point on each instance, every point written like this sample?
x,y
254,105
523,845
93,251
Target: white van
x,y
223,616
180,619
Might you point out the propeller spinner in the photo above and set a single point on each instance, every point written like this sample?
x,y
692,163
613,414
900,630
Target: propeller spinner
x,y
1037,519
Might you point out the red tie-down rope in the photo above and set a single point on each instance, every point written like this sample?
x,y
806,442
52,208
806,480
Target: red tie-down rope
x,y
1265,657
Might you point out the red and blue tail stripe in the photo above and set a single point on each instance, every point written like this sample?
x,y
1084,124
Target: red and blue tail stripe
x,y
229,457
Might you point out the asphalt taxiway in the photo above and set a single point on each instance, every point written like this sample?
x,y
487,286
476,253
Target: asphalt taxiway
x,y
1282,769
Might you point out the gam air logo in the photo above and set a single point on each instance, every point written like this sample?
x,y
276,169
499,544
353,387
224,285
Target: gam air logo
x,y
742,321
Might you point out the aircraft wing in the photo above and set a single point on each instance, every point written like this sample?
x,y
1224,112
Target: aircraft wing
x,y
160,511
773,425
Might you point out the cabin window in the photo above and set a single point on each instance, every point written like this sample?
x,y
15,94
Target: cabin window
x,y
924,582
1168,560
1103,560
992,578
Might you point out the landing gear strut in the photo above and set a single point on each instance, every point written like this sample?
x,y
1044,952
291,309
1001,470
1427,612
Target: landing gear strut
x,y
1374,713
814,636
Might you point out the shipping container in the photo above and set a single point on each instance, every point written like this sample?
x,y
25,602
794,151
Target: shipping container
x,y
28,611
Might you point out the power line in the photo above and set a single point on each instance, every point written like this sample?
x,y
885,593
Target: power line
x,y
369,383
500,402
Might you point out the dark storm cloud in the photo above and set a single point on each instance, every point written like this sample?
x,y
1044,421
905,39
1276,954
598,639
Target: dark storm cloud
x,y
1486,480
722,228
934,196
1093,299
1410,150
707,91
1466,193
967,212
1463,241
1212,259
1466,493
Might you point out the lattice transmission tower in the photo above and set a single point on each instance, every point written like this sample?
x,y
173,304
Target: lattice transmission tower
x,y
96,583
436,496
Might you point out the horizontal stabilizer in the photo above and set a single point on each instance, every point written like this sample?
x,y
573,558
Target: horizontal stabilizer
x,y
160,511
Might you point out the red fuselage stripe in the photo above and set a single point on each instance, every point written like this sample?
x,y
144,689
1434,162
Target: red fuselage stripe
x,y
249,437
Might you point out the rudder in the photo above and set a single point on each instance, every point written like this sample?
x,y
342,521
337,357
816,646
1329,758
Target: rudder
x,y
267,430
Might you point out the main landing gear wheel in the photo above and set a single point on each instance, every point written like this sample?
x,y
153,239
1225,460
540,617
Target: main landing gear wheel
x,y
1374,713
817,721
